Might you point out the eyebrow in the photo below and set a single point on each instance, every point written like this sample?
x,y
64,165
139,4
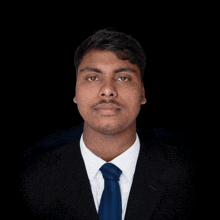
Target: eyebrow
x,y
123,69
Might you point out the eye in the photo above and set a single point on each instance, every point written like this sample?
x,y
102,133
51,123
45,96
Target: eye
x,y
124,78
92,78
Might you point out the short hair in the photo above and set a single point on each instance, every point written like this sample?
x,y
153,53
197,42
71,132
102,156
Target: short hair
x,y
124,46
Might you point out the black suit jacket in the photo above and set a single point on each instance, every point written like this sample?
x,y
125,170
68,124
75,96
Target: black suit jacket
x,y
56,185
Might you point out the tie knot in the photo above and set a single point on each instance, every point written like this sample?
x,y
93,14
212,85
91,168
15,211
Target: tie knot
x,y
110,171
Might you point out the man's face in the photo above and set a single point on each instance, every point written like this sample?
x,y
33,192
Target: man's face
x,y
109,92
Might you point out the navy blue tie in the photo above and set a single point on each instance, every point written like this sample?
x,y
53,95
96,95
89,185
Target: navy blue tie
x,y
110,204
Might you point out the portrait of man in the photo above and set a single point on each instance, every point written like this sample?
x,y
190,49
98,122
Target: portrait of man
x,y
111,171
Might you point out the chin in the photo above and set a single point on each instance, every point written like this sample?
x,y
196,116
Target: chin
x,y
109,128
106,129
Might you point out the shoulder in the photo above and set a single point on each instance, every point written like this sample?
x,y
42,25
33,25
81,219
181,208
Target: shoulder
x,y
51,181
51,175
167,140
170,164
170,151
52,142
54,161
165,135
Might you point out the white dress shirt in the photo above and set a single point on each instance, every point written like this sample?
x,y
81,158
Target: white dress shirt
x,y
126,162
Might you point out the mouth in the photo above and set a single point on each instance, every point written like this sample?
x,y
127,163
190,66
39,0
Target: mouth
x,y
108,111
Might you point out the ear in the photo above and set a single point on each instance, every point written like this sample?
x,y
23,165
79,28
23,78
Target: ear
x,y
75,100
143,100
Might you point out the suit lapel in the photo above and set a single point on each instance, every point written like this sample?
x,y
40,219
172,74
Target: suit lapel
x,y
85,199
79,198
146,191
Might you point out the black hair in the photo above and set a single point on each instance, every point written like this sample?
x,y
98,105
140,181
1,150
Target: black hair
x,y
126,48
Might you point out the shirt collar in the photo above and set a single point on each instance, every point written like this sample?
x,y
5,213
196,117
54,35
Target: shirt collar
x,y
126,161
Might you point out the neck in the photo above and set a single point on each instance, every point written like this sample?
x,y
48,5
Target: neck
x,y
108,146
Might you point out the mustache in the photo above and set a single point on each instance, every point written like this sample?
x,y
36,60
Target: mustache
x,y
108,102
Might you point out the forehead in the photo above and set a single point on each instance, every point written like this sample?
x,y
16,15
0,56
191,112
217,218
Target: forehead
x,y
105,59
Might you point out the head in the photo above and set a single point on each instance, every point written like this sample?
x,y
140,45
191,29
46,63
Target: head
x,y
110,70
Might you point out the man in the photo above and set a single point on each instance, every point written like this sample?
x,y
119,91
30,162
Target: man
x,y
112,172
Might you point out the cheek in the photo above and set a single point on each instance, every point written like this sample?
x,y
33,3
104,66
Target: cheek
x,y
135,108
133,103
84,99
132,96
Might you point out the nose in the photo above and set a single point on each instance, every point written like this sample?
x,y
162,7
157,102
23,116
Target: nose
x,y
108,90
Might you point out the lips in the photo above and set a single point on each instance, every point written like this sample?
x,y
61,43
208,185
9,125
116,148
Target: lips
x,y
108,106
108,109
